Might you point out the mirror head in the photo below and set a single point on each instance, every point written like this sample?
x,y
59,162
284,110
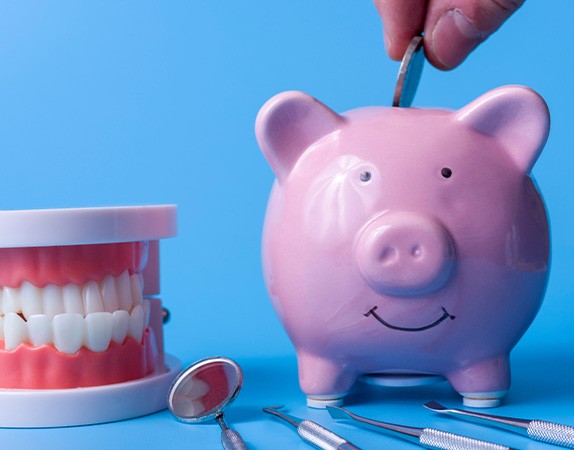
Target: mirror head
x,y
205,389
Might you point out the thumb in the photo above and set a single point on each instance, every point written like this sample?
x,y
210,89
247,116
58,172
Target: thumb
x,y
454,28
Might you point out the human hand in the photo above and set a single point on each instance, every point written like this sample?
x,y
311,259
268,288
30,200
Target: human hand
x,y
452,28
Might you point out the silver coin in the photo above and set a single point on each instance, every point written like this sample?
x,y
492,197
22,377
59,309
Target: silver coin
x,y
409,73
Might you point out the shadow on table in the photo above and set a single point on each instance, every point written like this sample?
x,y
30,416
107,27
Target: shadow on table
x,y
540,382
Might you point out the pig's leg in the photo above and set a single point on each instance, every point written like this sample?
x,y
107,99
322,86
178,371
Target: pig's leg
x,y
324,381
482,384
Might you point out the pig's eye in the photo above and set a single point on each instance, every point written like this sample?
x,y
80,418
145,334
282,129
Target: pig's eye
x,y
365,176
446,172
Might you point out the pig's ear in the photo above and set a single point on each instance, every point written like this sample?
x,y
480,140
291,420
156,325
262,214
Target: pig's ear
x,y
514,115
288,124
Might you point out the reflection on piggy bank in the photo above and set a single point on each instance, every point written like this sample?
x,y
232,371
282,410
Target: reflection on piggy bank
x,y
405,241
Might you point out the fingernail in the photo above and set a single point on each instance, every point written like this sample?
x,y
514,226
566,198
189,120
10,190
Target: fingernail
x,y
454,37
388,41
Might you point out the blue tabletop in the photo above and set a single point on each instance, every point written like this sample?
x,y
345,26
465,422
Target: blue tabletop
x,y
542,388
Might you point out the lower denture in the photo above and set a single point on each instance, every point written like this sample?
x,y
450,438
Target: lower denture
x,y
44,367
73,316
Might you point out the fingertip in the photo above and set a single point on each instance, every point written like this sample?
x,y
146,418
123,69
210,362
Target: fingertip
x,y
395,48
397,44
401,21
454,28
451,40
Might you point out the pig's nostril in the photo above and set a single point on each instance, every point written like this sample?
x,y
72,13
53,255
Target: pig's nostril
x,y
388,255
416,251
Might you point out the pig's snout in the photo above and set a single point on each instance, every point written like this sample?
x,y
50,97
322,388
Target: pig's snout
x,y
406,254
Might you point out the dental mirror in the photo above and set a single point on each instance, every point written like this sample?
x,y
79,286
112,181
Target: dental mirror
x,y
202,392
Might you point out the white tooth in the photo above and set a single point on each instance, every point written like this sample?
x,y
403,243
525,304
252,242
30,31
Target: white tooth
x,y
99,328
1,296
40,329
141,281
15,331
93,298
68,332
147,311
73,303
31,298
136,288
1,327
11,300
121,320
110,294
53,301
124,291
196,408
197,388
136,323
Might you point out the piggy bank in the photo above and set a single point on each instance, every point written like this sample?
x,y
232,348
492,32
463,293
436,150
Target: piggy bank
x,y
403,241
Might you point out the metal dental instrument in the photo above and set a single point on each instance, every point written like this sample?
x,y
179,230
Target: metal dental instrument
x,y
312,432
539,430
425,437
203,390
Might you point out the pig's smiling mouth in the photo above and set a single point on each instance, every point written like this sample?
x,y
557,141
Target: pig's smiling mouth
x,y
445,316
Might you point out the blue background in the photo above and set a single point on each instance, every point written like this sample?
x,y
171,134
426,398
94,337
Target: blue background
x,y
141,102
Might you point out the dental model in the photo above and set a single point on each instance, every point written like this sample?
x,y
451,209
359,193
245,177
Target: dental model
x,y
76,317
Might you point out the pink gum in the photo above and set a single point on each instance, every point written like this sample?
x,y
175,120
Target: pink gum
x,y
61,265
45,367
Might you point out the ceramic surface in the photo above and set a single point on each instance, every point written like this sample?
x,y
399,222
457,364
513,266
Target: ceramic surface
x,y
405,241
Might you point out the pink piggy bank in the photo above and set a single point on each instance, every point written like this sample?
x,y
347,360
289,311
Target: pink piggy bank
x,y
403,241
